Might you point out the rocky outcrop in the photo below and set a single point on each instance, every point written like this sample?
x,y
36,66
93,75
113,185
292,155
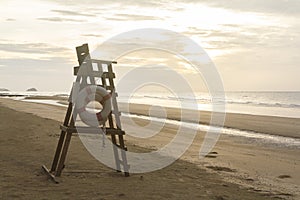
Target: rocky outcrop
x,y
32,90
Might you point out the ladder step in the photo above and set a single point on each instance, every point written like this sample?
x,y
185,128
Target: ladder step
x,y
83,129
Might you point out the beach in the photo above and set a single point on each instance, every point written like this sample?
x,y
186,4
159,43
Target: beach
x,y
237,167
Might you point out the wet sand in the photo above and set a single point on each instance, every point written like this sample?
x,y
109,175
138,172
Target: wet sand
x,y
282,126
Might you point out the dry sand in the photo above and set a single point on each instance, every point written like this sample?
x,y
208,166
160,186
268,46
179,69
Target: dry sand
x,y
236,169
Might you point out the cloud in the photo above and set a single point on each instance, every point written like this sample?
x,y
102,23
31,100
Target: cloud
x,y
132,17
60,19
92,35
32,48
34,65
143,3
10,19
72,13
288,7
244,36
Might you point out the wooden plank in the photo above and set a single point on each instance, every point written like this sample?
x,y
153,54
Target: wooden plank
x,y
123,155
109,75
49,174
85,129
116,110
75,70
124,148
116,153
63,155
121,144
109,88
82,53
84,73
103,61
61,163
61,139
63,128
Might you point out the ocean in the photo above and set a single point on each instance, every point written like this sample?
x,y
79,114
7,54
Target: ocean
x,y
283,104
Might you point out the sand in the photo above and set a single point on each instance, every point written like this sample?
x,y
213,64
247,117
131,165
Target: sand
x,y
236,169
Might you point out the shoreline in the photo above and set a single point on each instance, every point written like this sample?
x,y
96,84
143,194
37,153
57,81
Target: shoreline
x,y
280,126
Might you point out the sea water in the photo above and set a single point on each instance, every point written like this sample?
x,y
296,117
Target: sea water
x,y
283,104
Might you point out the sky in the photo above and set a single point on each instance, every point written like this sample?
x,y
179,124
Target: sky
x,y
254,44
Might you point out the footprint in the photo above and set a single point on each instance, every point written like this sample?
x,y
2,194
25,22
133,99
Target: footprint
x,y
212,154
219,168
284,176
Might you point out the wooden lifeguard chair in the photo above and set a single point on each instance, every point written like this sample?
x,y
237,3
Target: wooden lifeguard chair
x,y
68,127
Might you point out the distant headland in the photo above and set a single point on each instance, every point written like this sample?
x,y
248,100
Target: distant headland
x,y
31,90
4,90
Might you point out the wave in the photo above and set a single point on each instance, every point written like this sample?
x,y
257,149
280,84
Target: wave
x,y
207,100
264,104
